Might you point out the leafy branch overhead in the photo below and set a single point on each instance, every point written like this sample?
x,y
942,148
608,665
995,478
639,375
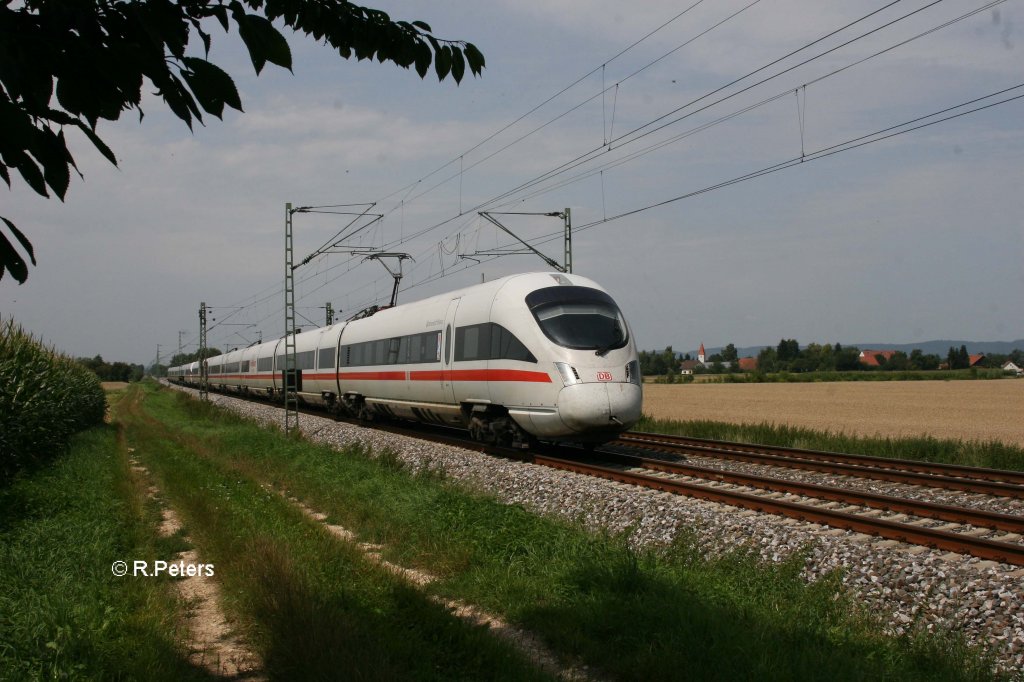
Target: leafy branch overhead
x,y
65,65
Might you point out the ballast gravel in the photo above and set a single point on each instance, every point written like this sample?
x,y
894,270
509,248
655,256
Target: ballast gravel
x,y
911,586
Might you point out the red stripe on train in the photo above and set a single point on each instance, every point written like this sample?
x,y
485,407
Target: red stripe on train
x,y
422,375
481,375
371,376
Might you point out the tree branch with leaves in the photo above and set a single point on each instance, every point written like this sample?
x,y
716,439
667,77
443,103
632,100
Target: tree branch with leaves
x,y
67,64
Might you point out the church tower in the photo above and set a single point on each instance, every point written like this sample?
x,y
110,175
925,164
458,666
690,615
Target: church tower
x,y
700,354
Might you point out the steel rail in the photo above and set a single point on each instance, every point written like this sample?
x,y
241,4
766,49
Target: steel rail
x,y
987,487
974,517
929,537
917,466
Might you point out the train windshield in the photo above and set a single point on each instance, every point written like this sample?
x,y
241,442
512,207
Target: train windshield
x,y
579,317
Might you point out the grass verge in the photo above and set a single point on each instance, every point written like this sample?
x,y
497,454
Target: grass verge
x,y
632,614
63,614
992,454
312,606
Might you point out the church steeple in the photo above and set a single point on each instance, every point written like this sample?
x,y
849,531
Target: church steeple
x,y
700,354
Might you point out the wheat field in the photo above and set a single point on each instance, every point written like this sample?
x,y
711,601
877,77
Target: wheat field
x,y
966,410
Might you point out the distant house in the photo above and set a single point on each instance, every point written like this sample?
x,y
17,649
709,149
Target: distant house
x,y
688,366
975,360
1010,366
869,358
748,364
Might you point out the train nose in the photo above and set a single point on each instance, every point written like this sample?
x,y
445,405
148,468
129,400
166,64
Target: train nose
x,y
596,407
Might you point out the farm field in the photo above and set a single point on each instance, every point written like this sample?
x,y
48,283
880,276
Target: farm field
x,y
967,410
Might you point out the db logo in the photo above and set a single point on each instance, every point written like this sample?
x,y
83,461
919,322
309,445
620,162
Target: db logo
x,y
604,376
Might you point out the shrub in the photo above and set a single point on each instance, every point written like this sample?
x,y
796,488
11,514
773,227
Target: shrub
x,y
45,398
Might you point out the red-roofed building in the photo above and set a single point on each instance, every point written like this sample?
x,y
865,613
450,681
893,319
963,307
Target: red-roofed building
x,y
975,360
869,358
748,364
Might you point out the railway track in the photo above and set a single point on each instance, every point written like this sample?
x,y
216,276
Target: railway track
x,y
933,475
986,535
983,534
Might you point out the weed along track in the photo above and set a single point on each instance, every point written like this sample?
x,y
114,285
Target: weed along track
x,y
677,583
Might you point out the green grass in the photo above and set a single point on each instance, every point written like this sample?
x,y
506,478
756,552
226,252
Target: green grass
x,y
990,454
313,606
632,614
63,614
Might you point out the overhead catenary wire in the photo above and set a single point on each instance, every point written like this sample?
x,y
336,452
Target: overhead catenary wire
x,y
518,194
494,201
847,145
880,135
411,187
767,100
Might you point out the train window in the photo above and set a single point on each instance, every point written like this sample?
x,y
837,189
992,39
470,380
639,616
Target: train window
x,y
265,364
305,360
412,349
448,345
326,359
504,345
578,317
469,345
489,341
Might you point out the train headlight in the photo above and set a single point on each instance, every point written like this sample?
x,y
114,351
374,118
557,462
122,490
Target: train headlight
x,y
633,372
568,373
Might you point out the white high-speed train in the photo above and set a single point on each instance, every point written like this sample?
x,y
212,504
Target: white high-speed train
x,y
540,356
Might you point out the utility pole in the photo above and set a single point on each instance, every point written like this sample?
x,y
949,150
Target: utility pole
x,y
204,389
288,378
330,313
157,368
568,240
292,377
180,333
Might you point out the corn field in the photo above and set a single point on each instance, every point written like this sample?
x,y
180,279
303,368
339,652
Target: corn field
x,y
45,398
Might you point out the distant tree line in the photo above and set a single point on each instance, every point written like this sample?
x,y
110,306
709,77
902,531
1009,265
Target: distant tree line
x,y
112,371
659,363
185,358
815,357
788,356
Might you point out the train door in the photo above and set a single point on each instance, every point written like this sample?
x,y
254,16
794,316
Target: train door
x,y
448,351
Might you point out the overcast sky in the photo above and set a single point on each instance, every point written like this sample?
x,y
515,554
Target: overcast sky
x,y
917,237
